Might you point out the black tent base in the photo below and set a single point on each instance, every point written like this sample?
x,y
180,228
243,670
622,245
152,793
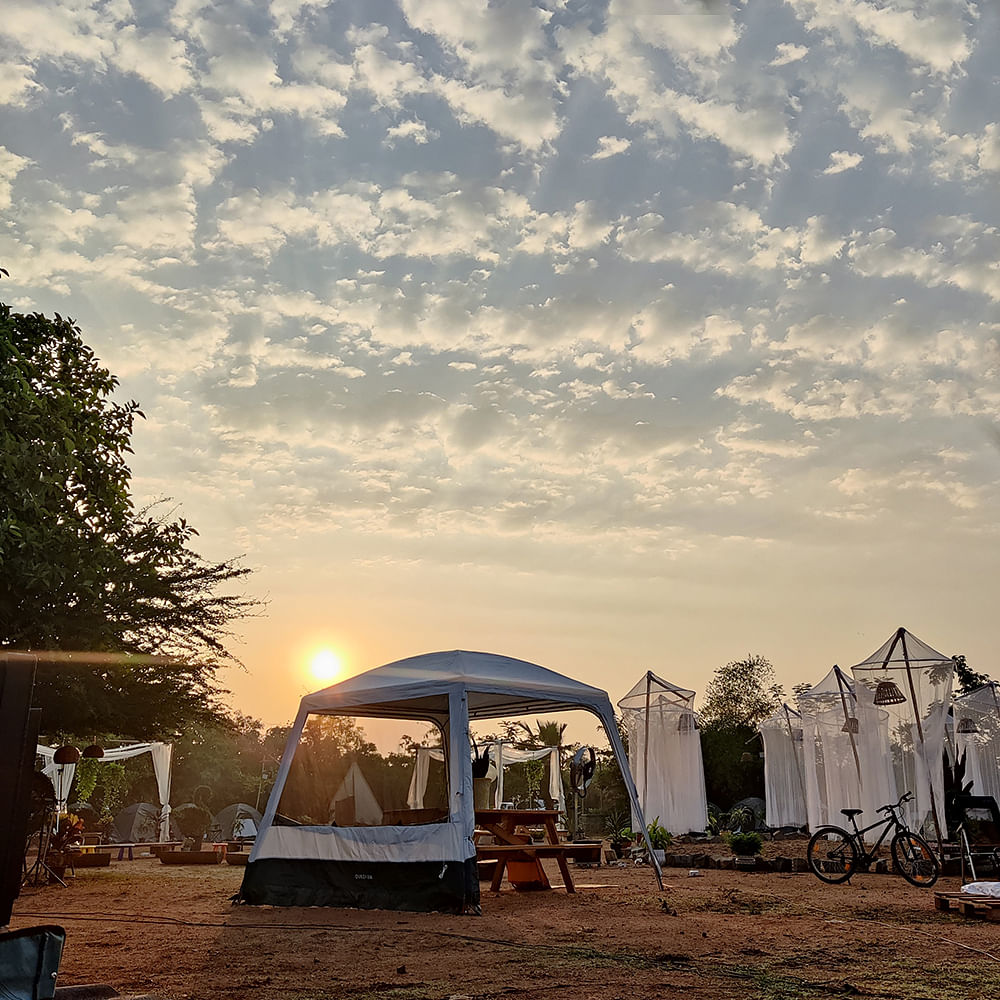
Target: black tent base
x,y
445,886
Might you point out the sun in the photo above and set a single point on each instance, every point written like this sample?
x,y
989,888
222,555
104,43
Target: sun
x,y
326,665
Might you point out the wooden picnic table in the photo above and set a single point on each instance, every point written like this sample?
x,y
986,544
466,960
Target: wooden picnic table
x,y
510,846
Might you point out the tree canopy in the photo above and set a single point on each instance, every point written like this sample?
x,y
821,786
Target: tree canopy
x,y
83,568
742,693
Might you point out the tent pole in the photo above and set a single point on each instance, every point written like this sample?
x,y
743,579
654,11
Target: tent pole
x,y
920,732
645,745
611,731
795,756
843,701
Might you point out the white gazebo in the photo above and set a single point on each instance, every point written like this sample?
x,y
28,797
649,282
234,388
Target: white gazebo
x,y
61,775
977,735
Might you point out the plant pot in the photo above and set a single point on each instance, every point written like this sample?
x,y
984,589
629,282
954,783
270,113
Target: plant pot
x,y
660,854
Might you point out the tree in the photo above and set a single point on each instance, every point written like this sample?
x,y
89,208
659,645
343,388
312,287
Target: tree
x,y
742,693
83,569
968,679
739,696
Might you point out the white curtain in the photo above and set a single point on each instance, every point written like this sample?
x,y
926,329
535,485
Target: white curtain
x,y
502,756
784,781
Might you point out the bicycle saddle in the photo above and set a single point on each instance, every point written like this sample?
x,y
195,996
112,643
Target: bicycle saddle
x,y
852,812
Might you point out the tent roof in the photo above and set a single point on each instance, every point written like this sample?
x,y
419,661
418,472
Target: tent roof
x,y
662,694
496,686
902,647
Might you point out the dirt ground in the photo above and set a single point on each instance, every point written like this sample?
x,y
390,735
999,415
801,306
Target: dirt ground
x,y
171,933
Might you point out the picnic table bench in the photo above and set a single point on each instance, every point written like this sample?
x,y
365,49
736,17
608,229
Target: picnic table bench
x,y
521,859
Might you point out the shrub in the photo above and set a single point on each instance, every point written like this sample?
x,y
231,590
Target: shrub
x,y
745,843
659,836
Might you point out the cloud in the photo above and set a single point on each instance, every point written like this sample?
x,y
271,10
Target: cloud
x,y
10,166
786,53
842,160
608,146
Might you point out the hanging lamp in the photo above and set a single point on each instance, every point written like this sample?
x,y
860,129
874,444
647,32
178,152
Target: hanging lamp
x,y
888,693
967,725
66,755
93,752
850,725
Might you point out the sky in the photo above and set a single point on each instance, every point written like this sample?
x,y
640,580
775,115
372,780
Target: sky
x,y
614,336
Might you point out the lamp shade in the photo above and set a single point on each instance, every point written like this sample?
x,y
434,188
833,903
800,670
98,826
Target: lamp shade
x,y
93,752
850,725
967,725
66,755
888,693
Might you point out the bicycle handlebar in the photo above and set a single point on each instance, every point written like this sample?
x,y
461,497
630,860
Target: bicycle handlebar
x,y
905,797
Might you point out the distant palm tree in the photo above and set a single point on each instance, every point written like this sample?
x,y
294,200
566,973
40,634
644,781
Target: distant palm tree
x,y
545,734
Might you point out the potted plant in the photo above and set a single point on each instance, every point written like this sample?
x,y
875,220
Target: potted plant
x,y
745,847
660,838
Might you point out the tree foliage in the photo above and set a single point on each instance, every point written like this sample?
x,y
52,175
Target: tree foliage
x,y
83,569
739,696
742,693
968,679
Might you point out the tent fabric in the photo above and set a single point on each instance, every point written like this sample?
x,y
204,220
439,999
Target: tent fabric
x,y
981,745
843,768
139,823
62,775
665,753
355,791
917,724
238,820
342,866
784,778
502,755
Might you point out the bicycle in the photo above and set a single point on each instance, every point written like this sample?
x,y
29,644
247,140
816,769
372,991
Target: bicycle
x,y
835,854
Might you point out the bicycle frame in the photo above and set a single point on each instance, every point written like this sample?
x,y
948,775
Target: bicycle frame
x,y
892,824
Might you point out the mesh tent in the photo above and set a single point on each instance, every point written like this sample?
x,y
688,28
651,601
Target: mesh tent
x,y
845,751
664,748
977,734
416,859
784,780
922,679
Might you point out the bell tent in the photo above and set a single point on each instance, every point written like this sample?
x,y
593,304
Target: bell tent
x,y
416,859
664,748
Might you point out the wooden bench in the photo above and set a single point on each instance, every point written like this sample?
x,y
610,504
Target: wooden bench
x,y
530,855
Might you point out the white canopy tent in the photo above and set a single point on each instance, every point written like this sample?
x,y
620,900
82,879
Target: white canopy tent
x,y
977,735
62,775
502,755
664,748
918,712
846,756
784,777
412,864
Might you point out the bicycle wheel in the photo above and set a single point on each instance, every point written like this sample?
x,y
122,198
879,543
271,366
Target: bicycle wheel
x,y
913,858
832,855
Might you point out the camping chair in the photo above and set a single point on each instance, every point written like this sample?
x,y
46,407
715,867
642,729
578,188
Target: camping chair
x,y
978,832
